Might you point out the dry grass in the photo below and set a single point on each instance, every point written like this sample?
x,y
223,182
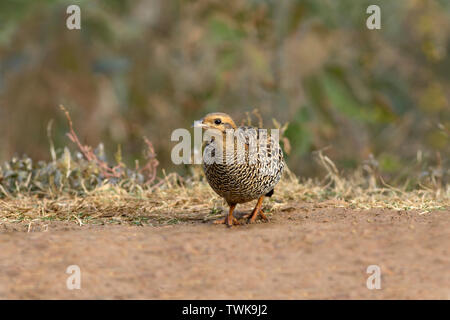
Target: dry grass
x,y
86,189
178,200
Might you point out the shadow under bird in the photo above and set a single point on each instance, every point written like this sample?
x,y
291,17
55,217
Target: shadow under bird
x,y
242,168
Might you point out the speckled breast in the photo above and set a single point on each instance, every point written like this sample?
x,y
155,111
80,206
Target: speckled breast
x,y
241,179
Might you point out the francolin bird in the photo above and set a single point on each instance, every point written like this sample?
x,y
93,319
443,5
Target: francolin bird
x,y
242,168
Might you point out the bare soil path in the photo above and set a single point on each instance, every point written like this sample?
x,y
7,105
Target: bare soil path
x,y
300,254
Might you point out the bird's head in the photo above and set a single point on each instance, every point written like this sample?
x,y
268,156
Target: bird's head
x,y
217,120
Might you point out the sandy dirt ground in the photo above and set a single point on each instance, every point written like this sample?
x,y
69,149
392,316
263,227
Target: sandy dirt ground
x,y
302,253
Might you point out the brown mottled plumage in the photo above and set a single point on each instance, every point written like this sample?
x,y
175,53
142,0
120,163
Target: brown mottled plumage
x,y
239,178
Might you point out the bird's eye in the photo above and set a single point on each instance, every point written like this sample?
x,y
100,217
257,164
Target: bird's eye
x,y
217,121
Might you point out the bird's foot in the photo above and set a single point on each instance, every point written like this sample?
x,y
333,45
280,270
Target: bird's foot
x,y
263,216
251,218
233,222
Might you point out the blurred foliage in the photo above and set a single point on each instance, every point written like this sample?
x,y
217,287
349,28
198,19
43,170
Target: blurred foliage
x,y
143,68
68,173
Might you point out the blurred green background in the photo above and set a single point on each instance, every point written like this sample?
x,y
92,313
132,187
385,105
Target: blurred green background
x,y
147,67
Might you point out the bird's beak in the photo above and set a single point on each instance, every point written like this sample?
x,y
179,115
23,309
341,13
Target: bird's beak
x,y
199,124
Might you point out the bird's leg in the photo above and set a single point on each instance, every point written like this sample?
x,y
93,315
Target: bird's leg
x,y
229,219
257,211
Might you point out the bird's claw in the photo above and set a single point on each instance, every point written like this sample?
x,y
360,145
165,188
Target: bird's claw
x,y
251,218
234,222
